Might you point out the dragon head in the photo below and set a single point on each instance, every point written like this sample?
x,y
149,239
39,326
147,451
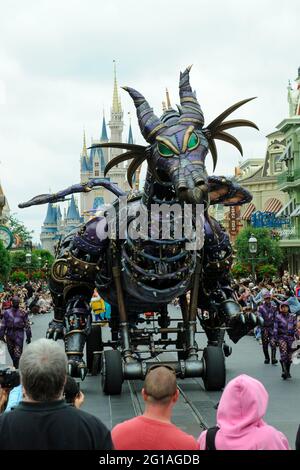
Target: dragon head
x,y
178,143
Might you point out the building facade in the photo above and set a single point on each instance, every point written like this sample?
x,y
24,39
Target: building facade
x,y
289,180
260,177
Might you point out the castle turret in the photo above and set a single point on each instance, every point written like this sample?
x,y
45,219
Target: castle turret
x,y
84,162
73,218
49,232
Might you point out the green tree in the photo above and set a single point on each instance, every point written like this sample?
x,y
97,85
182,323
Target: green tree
x,y
268,249
5,263
240,270
267,270
19,229
18,277
46,257
18,261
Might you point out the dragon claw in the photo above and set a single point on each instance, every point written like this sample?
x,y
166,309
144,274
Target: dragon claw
x,y
77,368
83,372
55,330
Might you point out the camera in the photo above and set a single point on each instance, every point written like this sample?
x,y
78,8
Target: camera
x,y
9,378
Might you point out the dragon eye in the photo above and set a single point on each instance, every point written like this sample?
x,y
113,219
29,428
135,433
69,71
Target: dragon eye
x,y
193,141
164,150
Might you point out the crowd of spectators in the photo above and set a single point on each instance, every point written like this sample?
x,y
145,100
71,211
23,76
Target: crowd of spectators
x,y
44,410
47,413
34,297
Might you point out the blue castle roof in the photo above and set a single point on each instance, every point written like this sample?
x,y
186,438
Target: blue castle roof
x,y
84,165
104,137
130,136
59,216
96,153
73,213
51,216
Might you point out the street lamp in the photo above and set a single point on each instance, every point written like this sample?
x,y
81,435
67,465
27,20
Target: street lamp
x,y
28,260
40,261
252,242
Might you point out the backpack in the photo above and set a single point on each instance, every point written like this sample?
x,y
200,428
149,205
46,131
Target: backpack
x,y
210,438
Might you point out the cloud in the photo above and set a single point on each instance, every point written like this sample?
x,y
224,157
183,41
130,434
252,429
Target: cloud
x,y
56,76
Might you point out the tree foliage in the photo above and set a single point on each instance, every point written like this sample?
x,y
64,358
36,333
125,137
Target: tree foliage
x,y
5,263
267,270
19,229
46,257
240,270
18,277
18,261
268,249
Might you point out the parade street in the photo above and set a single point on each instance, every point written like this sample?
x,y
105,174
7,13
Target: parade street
x,y
196,407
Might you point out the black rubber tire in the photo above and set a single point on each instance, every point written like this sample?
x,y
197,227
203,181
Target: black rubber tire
x,y
181,355
112,373
94,343
215,371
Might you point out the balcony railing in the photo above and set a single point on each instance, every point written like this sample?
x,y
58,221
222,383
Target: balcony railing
x,y
288,177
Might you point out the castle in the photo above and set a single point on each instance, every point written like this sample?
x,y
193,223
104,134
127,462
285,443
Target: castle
x,y
92,165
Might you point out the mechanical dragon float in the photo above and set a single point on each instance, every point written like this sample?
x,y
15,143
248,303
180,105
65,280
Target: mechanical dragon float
x,y
137,275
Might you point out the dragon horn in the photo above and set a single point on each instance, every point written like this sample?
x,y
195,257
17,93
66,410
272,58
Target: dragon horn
x,y
150,124
191,112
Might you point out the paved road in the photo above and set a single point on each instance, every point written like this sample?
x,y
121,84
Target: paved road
x,y
283,411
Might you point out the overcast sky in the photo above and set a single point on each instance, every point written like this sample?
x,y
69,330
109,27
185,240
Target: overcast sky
x,y
56,76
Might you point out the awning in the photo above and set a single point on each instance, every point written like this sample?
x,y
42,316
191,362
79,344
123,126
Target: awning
x,y
273,205
287,154
249,211
296,212
287,209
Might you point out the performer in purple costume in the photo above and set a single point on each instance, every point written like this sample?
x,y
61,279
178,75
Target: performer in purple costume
x,y
285,332
13,324
268,312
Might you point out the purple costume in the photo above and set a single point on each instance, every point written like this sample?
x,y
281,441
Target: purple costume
x,y
285,331
13,324
268,312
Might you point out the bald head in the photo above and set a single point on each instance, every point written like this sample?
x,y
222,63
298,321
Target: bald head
x,y
160,385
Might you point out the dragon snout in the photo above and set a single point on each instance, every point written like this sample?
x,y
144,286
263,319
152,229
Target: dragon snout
x,y
191,186
196,195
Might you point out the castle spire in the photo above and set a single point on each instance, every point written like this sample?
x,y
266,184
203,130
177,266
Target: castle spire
x,y
130,136
104,137
84,149
116,104
116,123
168,99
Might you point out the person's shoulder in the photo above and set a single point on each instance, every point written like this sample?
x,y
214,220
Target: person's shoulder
x,y
9,416
201,441
129,423
187,440
88,418
271,438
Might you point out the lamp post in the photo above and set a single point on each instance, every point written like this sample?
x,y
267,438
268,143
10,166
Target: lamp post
x,y
28,261
253,250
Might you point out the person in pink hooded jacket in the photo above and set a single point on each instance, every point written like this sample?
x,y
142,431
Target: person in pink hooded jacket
x,y
240,424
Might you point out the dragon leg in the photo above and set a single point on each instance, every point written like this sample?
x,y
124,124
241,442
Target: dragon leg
x,y
78,326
